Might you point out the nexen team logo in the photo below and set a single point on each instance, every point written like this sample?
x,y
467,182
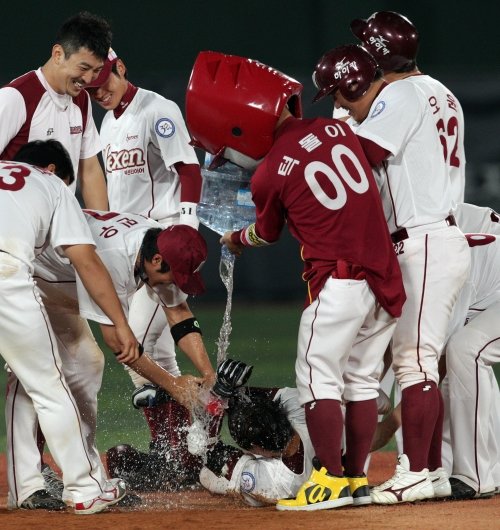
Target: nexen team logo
x,y
127,160
378,109
247,482
165,127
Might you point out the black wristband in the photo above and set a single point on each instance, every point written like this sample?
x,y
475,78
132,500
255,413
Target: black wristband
x,y
141,351
181,329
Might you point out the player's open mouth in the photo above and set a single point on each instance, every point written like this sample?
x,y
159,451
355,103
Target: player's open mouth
x,y
78,84
105,100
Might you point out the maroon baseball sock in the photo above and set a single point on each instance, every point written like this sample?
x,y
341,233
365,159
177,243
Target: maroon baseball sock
x,y
360,425
437,438
419,412
325,425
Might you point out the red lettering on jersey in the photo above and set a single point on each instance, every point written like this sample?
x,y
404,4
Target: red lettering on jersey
x,y
452,103
126,158
18,174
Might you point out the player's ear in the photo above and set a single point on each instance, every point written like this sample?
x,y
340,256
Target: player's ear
x,y
120,67
58,54
157,260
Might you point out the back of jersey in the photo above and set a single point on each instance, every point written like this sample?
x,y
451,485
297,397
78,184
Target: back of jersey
x,y
28,198
318,172
449,119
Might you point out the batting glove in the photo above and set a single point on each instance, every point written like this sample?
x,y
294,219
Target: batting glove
x,y
230,376
148,395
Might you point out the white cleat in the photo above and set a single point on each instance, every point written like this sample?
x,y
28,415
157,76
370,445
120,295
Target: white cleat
x,y
404,486
440,483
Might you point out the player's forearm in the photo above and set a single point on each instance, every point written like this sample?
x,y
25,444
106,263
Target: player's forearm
x,y
183,389
93,184
191,343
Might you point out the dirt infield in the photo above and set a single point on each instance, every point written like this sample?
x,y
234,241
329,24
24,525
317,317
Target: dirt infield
x,y
199,510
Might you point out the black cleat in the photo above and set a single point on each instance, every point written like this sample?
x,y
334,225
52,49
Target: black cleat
x,y
131,500
460,491
42,500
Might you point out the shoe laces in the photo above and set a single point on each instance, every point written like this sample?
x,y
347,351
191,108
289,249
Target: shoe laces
x,y
388,483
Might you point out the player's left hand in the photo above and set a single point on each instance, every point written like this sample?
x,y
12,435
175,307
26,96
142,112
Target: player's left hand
x,y
230,376
234,248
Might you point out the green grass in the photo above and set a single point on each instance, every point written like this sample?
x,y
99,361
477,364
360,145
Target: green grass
x,y
262,335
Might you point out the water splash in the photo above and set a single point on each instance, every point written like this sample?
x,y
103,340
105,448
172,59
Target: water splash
x,y
226,271
205,425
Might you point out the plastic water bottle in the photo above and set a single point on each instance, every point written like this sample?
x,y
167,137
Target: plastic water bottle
x,y
226,200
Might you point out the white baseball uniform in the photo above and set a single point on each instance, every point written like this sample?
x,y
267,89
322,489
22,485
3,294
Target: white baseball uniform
x,y
141,147
472,410
118,238
31,110
416,193
262,481
36,210
449,121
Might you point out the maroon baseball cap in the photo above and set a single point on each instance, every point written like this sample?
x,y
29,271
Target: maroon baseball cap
x,y
185,251
106,70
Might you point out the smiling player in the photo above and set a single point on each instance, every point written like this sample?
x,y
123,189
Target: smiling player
x,y
50,103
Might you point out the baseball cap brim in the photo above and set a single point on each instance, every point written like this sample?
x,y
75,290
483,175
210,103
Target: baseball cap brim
x,y
189,284
105,72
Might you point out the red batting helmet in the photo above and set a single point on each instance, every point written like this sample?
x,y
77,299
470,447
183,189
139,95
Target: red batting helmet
x,y
233,105
390,37
350,69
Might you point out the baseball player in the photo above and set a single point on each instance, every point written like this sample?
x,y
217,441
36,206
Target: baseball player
x,y
313,175
471,454
134,250
151,170
37,210
50,103
393,41
397,131
270,426
472,350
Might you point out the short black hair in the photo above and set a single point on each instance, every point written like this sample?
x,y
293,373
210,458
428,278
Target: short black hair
x,y
41,153
150,247
259,421
85,30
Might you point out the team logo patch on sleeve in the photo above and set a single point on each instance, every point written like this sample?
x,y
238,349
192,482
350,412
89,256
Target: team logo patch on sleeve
x,y
165,128
247,482
378,109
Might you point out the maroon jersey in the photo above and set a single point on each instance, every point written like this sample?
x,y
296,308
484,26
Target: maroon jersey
x,y
316,179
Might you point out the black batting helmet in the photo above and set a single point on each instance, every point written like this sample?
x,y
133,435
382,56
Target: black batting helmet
x,y
259,422
350,69
390,37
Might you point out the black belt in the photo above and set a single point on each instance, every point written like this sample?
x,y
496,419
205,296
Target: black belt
x,y
402,233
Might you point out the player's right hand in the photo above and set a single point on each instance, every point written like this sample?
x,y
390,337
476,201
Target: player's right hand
x,y
129,349
234,248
